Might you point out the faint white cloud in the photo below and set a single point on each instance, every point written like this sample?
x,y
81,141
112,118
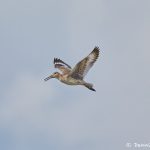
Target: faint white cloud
x,y
31,111
25,98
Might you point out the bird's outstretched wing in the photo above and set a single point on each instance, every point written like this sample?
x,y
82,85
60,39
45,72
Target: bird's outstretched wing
x,y
62,66
82,67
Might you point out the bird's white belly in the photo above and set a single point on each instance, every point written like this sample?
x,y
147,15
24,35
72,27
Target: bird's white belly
x,y
72,81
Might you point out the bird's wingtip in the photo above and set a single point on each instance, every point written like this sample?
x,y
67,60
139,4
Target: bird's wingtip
x,y
97,48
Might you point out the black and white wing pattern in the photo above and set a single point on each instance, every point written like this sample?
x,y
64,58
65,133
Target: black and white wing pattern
x,y
82,67
62,66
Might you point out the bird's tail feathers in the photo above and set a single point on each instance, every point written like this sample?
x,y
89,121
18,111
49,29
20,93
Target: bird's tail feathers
x,y
89,86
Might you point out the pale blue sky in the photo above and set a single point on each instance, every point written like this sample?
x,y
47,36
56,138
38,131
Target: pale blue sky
x,y
35,115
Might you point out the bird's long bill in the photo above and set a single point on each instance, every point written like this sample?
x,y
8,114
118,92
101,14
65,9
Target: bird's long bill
x,y
49,77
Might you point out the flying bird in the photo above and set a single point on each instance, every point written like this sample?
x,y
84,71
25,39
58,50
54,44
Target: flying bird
x,y
75,76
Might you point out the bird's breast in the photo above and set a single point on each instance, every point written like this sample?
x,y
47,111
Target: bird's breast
x,y
71,81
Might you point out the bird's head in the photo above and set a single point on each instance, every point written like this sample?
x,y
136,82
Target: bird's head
x,y
54,75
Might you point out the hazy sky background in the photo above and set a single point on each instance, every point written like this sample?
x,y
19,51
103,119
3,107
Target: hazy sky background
x,y
37,115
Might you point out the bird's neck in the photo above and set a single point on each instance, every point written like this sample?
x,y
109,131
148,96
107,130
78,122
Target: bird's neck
x,y
60,76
